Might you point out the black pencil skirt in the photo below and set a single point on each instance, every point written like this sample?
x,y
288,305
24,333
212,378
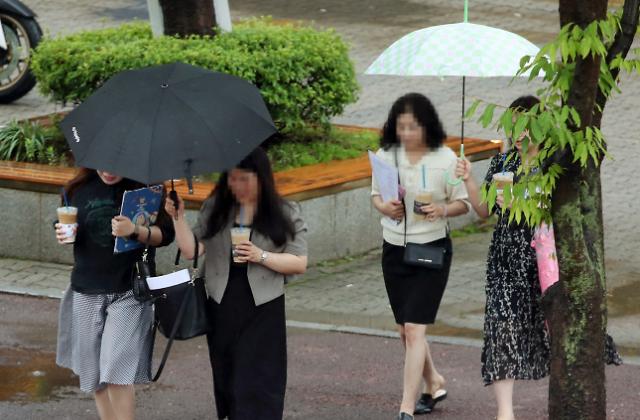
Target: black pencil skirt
x,y
414,292
248,353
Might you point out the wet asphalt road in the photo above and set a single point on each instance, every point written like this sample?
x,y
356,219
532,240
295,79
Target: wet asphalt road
x,y
331,376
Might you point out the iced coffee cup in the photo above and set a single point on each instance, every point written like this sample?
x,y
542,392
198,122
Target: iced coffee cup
x,y
423,198
68,218
238,235
503,180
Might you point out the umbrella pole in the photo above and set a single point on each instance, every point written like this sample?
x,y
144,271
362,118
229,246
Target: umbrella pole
x,y
457,181
464,80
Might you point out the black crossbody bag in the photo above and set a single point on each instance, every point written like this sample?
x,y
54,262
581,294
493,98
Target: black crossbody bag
x,y
421,255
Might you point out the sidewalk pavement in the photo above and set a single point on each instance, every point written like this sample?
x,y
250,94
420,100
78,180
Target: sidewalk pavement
x,y
330,376
349,295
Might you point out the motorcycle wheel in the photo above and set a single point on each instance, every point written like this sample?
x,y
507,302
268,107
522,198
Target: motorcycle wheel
x,y
22,35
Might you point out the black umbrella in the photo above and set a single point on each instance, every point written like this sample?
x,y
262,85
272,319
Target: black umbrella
x,y
168,121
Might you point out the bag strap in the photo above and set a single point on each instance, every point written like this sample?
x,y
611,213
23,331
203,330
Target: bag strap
x,y
195,257
404,207
181,311
145,253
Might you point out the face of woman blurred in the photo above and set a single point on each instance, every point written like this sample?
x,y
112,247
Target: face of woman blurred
x,y
109,178
531,148
411,134
243,185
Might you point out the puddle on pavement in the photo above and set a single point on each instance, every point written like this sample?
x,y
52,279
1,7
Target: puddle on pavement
x,y
30,375
624,300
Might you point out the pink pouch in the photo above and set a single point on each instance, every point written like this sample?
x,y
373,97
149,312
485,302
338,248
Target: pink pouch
x,y
544,243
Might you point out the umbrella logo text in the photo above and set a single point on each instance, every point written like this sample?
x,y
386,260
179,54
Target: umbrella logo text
x,y
76,136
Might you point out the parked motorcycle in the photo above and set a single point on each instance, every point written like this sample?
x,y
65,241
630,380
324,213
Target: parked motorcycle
x,y
19,34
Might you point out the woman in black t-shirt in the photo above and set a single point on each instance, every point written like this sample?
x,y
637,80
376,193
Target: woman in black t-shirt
x,y
104,334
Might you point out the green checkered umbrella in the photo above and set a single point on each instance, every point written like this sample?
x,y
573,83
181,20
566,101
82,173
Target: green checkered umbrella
x,y
459,49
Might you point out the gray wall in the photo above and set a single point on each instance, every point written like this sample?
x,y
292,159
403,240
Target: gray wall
x,y
340,225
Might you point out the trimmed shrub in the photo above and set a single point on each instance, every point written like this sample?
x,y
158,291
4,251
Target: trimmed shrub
x,y
305,75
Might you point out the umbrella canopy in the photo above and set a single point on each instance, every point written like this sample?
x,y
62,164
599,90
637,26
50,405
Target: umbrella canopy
x,y
459,49
168,121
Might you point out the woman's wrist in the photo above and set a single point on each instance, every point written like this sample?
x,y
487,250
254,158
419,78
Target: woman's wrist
x,y
445,211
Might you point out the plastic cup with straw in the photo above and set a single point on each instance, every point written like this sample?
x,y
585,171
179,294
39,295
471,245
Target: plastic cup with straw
x,y
423,197
239,234
68,219
504,177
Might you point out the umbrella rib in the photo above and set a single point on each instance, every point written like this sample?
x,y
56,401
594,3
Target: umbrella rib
x,y
153,132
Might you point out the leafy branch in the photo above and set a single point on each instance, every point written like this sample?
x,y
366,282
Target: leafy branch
x,y
554,127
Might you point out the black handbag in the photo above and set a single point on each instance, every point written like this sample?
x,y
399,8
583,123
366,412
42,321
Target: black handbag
x,y
424,255
182,310
421,255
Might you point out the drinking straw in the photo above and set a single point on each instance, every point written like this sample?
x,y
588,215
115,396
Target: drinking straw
x,y
504,158
241,218
64,197
424,178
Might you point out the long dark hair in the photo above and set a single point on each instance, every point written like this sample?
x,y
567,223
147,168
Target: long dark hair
x,y
270,218
423,111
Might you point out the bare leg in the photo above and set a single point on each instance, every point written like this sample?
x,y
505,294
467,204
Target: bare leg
x,y
413,364
433,381
105,411
123,401
504,396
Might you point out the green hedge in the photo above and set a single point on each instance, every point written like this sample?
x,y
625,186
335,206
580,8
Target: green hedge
x,y
305,75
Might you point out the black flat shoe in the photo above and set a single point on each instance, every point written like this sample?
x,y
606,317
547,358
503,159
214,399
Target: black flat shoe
x,y
405,416
424,405
430,401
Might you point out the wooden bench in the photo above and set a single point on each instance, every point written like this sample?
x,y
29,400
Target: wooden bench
x,y
295,184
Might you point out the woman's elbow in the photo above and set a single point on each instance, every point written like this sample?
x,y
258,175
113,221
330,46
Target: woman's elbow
x,y
301,267
482,212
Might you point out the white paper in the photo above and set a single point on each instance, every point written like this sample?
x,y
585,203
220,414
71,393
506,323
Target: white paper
x,y
386,176
168,280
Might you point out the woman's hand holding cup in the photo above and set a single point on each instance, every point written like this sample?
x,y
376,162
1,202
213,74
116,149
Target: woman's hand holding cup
x,y
62,233
432,211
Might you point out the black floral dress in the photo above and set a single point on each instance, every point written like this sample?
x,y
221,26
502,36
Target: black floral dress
x,y
516,344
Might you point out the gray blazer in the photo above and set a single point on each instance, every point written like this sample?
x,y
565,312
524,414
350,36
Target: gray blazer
x,y
266,284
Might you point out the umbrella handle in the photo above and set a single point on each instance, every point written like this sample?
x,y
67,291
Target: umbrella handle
x,y
173,195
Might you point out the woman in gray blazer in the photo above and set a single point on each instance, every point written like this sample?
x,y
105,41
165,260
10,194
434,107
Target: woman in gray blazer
x,y
245,282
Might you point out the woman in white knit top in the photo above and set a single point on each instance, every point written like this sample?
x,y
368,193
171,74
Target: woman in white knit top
x,y
412,140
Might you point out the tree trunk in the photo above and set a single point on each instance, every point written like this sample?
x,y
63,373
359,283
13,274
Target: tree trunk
x,y
188,17
576,310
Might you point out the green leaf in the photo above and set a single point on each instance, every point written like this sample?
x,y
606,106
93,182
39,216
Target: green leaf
x,y
472,109
536,131
487,115
585,47
575,116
